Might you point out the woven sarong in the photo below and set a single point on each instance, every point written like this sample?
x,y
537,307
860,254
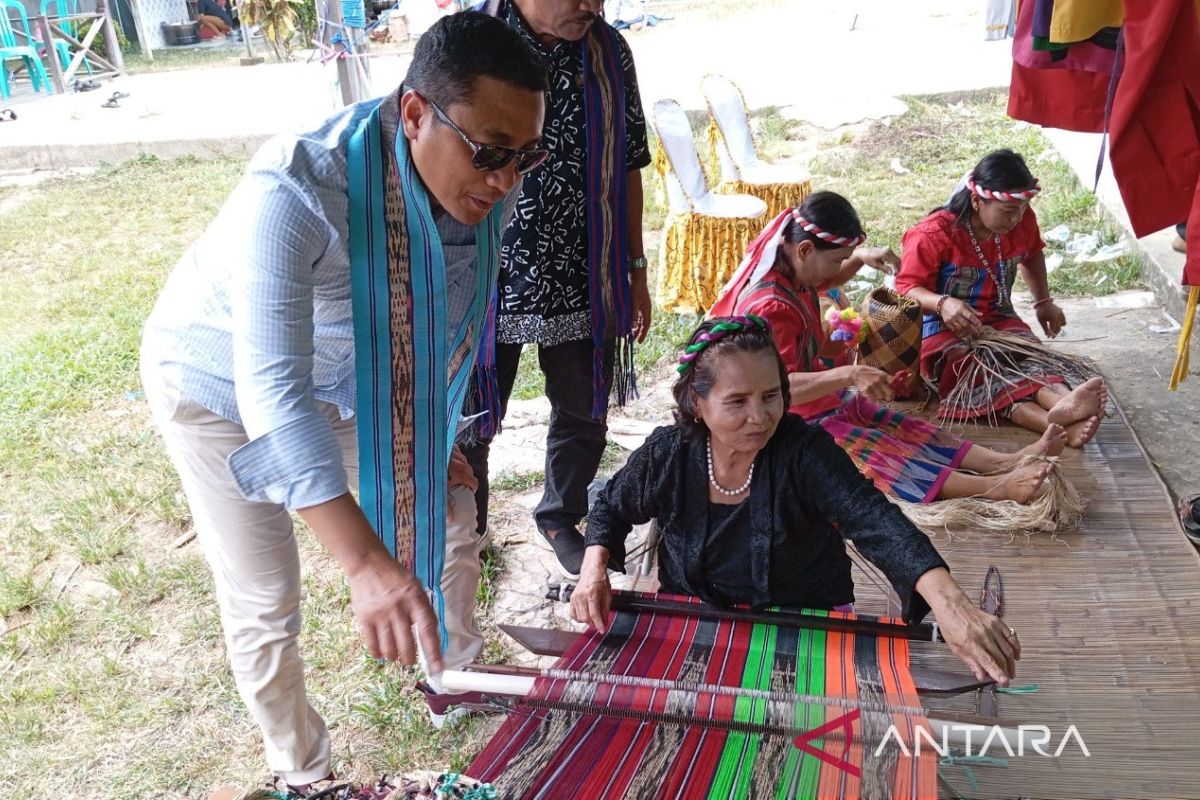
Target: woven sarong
x,y
584,737
904,456
945,358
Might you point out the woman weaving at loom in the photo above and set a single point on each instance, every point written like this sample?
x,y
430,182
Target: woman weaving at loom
x,y
960,263
817,246
776,538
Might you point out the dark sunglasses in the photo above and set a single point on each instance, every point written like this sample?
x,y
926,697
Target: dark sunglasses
x,y
491,157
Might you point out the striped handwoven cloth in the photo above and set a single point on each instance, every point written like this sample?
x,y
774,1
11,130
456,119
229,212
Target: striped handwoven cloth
x,y
584,733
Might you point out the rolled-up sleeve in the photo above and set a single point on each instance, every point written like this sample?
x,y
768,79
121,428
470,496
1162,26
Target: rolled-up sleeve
x,y
293,457
866,517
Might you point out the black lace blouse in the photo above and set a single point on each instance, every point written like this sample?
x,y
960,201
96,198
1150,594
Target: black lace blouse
x,y
806,497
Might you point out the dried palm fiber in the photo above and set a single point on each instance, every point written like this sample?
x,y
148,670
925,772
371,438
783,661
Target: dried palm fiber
x,y
892,339
1056,508
998,359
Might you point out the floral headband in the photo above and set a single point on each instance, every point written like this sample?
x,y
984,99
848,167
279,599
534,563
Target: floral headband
x,y
716,333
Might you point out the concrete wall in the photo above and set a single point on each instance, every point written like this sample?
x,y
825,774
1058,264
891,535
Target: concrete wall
x,y
156,12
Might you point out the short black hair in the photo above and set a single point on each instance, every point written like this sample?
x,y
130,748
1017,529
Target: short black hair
x,y
830,212
701,375
1000,170
461,47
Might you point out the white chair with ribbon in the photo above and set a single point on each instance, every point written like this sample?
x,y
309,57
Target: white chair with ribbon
x,y
706,234
732,150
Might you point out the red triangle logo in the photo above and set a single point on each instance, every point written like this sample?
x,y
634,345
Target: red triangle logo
x,y
846,724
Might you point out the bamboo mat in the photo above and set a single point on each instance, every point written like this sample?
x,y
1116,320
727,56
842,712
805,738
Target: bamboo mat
x,y
1109,622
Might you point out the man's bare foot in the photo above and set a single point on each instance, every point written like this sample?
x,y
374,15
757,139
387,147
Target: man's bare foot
x,y
1022,484
1086,400
1080,433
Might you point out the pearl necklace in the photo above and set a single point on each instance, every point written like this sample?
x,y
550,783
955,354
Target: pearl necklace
x,y
1000,276
712,477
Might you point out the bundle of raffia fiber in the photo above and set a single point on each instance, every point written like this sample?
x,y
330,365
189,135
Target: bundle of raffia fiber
x,y
1057,508
998,359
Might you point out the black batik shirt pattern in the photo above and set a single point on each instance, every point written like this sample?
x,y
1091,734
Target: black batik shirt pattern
x,y
543,260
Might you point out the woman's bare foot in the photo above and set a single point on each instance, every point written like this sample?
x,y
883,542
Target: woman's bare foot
x,y
1086,400
1052,443
1022,484
1080,433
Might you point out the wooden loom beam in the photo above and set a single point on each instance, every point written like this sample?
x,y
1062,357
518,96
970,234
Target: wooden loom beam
x,y
625,601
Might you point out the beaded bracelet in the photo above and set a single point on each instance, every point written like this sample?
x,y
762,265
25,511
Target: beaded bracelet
x,y
1043,301
941,302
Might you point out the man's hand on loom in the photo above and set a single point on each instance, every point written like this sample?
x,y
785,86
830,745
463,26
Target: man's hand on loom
x,y
592,597
982,641
389,603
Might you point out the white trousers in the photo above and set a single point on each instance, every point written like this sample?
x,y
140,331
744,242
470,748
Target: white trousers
x,y
255,563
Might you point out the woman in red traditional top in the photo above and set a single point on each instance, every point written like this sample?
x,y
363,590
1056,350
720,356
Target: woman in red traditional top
x,y
960,263
818,246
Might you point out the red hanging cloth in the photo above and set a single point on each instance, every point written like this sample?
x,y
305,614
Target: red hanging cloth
x,y
1155,122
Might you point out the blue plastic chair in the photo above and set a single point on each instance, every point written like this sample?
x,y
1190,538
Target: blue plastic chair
x,y
11,48
53,9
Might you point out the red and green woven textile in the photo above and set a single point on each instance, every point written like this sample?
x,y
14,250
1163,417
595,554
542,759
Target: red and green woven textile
x,y
602,737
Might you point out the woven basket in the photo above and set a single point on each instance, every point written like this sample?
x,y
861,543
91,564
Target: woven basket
x,y
893,340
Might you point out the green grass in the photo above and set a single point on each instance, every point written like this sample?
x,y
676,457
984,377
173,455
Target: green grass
x,y
169,59
938,141
20,592
518,481
128,656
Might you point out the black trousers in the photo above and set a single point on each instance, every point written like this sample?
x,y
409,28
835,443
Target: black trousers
x,y
575,441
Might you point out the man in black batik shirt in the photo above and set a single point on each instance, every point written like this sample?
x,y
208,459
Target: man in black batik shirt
x,y
548,280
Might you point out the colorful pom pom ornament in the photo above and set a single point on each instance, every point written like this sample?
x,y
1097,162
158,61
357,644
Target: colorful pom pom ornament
x,y
845,325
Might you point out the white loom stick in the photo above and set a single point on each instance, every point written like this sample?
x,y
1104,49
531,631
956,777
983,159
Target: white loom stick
x,y
953,733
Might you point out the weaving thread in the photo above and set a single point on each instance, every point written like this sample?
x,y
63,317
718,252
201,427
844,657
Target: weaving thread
x,y
677,706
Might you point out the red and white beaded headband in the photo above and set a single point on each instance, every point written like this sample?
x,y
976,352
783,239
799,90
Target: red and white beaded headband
x,y
824,235
994,194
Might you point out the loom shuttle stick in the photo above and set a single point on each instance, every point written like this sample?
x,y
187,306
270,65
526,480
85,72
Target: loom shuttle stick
x,y
551,642
947,724
626,601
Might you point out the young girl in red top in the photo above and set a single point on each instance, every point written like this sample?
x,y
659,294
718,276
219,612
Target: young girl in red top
x,y
960,263
818,246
